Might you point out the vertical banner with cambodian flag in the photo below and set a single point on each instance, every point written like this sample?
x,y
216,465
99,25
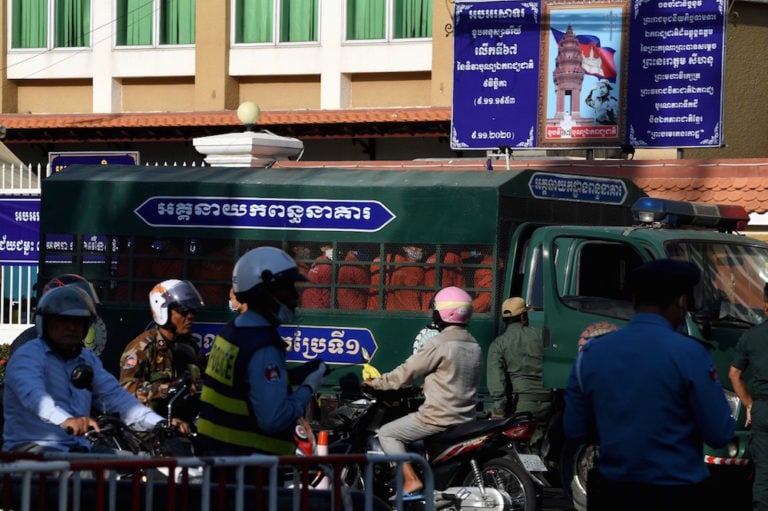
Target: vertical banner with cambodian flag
x,y
583,48
599,73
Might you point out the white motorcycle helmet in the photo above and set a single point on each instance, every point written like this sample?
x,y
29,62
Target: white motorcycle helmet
x,y
264,265
169,293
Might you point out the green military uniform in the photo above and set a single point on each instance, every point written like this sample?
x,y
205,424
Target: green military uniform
x,y
514,369
752,353
150,363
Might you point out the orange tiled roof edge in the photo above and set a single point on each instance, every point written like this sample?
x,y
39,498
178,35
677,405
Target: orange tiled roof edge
x,y
223,118
730,181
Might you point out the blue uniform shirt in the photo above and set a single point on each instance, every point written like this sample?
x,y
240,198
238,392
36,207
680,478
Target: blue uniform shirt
x,y
276,407
38,396
652,396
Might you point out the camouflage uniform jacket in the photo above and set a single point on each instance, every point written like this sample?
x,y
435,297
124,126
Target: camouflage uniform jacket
x,y
147,365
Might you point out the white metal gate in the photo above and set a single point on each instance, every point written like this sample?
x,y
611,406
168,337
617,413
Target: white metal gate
x,y
17,282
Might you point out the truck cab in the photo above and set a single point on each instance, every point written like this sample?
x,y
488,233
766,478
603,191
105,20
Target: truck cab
x,y
563,241
574,276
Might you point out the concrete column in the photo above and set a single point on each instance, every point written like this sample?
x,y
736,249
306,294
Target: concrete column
x,y
107,92
442,52
8,91
335,88
214,88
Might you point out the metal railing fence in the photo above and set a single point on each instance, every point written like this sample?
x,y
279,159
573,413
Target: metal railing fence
x,y
132,482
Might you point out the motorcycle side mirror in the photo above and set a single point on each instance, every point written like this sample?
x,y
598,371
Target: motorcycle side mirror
x,y
82,376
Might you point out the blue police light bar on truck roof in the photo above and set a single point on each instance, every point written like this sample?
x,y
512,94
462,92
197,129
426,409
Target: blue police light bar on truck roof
x,y
670,213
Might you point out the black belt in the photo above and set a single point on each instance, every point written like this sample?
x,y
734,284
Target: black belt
x,y
534,396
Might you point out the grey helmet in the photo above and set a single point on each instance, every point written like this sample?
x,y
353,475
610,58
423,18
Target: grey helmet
x,y
64,301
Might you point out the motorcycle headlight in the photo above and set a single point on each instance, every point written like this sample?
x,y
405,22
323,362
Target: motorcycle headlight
x,y
734,403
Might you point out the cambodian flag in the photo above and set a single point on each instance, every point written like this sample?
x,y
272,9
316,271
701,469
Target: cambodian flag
x,y
597,61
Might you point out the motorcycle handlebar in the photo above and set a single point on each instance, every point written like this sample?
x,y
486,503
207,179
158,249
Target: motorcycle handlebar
x,y
297,374
70,431
404,392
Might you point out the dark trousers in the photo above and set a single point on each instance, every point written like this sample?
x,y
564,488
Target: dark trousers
x,y
759,450
606,495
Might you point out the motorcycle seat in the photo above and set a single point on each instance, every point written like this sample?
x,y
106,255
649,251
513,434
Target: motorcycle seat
x,y
468,429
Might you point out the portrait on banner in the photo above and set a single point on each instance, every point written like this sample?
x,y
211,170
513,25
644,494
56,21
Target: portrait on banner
x,y
581,76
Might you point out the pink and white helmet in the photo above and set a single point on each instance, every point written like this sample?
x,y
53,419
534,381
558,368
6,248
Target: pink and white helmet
x,y
453,305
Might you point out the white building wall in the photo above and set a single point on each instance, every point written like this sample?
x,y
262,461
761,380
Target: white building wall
x,y
333,59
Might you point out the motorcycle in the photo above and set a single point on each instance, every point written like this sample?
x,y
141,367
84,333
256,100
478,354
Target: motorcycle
x,y
116,436
476,462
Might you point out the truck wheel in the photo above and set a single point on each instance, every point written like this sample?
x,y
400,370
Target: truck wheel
x,y
576,461
511,479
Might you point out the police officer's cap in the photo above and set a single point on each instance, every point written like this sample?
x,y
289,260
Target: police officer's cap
x,y
664,276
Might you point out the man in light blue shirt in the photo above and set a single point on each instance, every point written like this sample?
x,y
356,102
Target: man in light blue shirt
x,y
44,410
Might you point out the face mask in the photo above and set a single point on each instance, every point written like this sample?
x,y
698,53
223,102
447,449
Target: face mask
x,y
231,307
329,254
414,254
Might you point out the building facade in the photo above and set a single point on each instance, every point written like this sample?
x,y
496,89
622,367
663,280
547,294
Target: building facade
x,y
354,79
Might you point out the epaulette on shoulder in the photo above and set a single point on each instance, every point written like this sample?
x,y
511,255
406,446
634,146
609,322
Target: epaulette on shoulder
x,y
593,340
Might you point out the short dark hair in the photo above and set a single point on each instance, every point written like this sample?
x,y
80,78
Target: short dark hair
x,y
660,281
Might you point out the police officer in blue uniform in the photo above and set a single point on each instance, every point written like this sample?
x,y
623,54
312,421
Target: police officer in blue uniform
x,y
651,397
247,405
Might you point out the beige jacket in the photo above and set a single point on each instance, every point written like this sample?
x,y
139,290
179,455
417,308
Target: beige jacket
x,y
451,363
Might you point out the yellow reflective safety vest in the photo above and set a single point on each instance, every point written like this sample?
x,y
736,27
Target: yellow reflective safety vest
x,y
227,423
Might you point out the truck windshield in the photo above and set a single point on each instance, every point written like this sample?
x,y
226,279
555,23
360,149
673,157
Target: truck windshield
x,y
733,278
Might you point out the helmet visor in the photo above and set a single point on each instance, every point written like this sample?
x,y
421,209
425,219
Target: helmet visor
x,y
184,296
291,275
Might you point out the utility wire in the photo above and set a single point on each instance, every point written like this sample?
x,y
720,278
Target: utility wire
x,y
81,50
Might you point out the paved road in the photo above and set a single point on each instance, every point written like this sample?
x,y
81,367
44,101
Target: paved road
x,y
554,500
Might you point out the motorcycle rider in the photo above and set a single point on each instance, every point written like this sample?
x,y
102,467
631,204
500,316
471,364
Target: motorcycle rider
x,y
45,410
514,372
451,364
94,340
246,405
166,352
96,337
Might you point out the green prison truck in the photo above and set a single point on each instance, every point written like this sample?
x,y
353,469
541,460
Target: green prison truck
x,y
564,242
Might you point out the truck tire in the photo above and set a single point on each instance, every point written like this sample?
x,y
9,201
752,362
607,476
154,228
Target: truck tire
x,y
576,460
511,479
